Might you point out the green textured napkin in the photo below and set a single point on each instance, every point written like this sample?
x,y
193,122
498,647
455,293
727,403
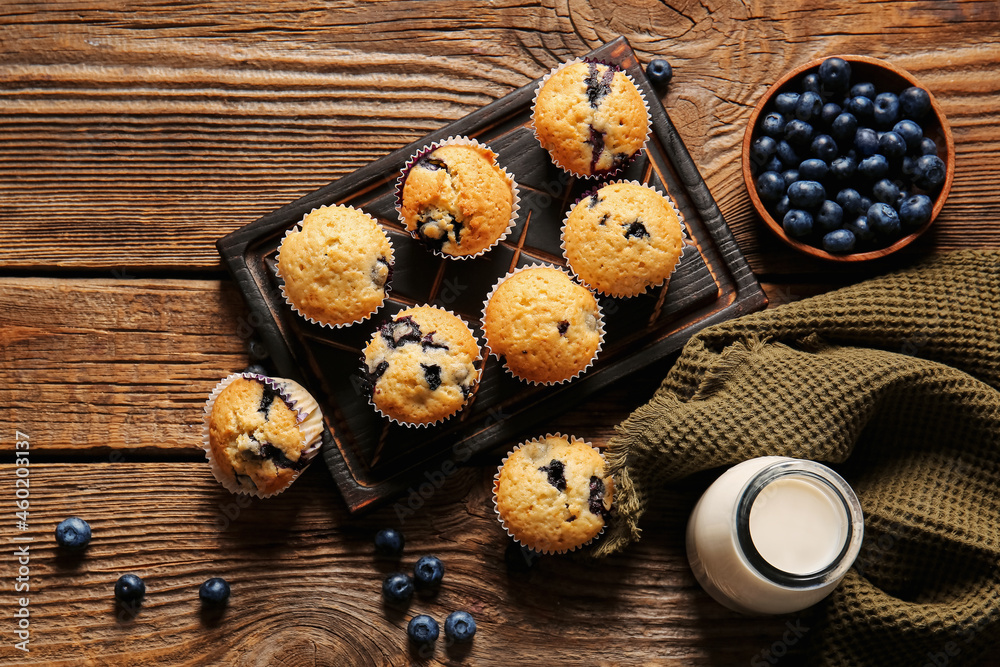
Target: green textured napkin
x,y
894,381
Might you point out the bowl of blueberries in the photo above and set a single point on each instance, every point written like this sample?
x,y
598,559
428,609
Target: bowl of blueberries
x,y
848,158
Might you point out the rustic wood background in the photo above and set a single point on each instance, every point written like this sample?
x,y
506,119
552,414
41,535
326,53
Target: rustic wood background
x,y
134,134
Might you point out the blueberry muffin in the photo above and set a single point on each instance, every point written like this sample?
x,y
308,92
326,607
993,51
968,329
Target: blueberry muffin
x,y
421,366
260,433
552,494
590,117
544,327
457,199
336,267
623,239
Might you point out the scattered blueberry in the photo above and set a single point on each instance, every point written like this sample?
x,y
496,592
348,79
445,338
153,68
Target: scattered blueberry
x,y
885,191
389,543
915,210
839,241
428,571
798,133
811,83
911,134
787,154
835,73
774,164
866,141
915,102
850,200
843,167
829,217
862,107
214,591
771,186
773,125
873,167
844,127
930,173
422,629
829,112
884,220
886,109
909,166
860,228
891,145
659,72
927,146
786,102
812,169
806,194
129,588
460,626
762,149
863,90
73,533
782,207
810,105
824,147
797,223
790,176
397,588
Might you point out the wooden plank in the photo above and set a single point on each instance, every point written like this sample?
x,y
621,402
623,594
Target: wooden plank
x,y
127,143
306,589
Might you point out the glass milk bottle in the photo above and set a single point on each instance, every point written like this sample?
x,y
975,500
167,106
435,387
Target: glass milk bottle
x,y
774,535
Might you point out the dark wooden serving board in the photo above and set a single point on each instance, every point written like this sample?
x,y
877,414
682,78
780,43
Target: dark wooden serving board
x,y
373,460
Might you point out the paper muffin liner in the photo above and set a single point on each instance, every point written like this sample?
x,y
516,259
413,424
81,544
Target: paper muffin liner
x,y
503,362
496,485
645,105
281,285
457,141
308,416
476,362
592,191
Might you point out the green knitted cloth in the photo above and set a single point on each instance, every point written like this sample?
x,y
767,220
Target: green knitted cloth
x,y
895,382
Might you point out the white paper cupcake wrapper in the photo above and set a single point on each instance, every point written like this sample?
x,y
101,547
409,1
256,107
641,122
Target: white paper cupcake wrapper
x,y
281,285
666,280
477,362
458,141
308,416
489,350
496,484
645,105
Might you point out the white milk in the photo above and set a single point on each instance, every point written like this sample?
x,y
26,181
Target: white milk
x,y
774,535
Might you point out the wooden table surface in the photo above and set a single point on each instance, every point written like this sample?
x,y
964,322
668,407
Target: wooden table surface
x,y
135,134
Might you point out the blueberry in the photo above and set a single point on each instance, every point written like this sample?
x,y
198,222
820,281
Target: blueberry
x,y
806,194
900,198
214,591
787,154
73,533
397,588
843,167
797,223
863,90
891,145
915,210
256,369
389,543
829,217
811,83
428,571
812,169
659,72
809,106
884,220
798,132
774,164
850,200
422,629
460,626
930,173
914,102
911,134
866,141
829,112
770,186
786,102
860,228
927,146
839,241
824,147
909,167
790,176
862,107
782,207
874,167
835,73
844,127
129,588
773,125
865,204
762,149
886,109
885,191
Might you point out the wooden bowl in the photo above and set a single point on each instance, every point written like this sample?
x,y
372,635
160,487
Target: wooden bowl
x,y
887,78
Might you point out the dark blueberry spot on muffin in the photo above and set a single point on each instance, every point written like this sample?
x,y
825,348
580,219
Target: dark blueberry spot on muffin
x,y
432,373
598,85
266,399
466,388
636,230
596,142
376,274
597,497
556,471
427,342
593,201
604,219
245,481
432,163
371,377
379,371
563,327
433,229
457,228
571,519
269,451
400,332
